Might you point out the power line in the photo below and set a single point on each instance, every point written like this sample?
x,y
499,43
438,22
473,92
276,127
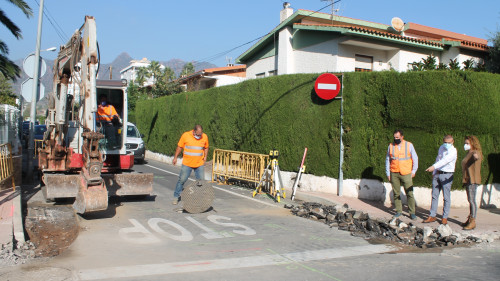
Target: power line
x,y
218,55
57,28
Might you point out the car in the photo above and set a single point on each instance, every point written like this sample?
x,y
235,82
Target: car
x,y
134,143
39,132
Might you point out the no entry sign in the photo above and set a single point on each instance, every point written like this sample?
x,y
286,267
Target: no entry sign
x,y
327,86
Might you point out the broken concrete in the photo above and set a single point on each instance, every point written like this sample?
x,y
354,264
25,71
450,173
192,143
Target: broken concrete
x,y
360,224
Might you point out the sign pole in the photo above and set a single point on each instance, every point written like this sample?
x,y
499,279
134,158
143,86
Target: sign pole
x,y
341,154
34,95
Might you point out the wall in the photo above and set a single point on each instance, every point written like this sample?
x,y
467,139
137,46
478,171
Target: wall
x,y
259,66
488,196
321,57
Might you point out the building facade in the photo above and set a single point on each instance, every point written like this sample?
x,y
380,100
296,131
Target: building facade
x,y
129,73
213,77
312,42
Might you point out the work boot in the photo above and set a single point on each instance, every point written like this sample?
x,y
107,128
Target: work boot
x,y
430,219
444,221
466,222
176,201
471,225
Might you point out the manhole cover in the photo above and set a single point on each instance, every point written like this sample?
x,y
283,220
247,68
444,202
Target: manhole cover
x,y
198,197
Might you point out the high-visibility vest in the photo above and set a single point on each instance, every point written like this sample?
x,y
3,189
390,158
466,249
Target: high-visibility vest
x,y
106,113
401,161
193,153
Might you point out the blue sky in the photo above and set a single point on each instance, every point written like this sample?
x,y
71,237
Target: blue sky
x,y
199,30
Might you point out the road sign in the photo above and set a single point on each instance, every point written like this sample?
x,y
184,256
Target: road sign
x,y
27,90
29,65
327,86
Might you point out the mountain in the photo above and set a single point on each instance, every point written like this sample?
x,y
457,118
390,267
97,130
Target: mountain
x,y
119,63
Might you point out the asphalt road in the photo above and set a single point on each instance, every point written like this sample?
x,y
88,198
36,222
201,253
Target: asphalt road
x,y
241,238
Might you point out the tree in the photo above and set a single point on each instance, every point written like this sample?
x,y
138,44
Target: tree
x,y
469,64
7,67
7,96
442,66
142,76
429,63
454,64
154,70
187,69
493,62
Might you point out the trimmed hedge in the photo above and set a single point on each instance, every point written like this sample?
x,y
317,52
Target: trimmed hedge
x,y
284,113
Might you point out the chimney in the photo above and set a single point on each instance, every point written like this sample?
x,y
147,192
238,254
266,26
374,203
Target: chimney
x,y
286,12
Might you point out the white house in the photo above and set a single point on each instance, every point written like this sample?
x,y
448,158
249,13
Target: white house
x,y
312,42
129,73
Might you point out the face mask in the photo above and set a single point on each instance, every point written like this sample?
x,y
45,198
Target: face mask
x,y
466,147
447,145
397,141
103,103
197,137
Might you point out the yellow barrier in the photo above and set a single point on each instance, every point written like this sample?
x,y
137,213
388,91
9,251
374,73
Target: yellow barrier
x,y
6,167
38,144
228,164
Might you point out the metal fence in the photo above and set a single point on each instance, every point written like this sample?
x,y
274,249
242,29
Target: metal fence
x,y
10,127
228,164
6,166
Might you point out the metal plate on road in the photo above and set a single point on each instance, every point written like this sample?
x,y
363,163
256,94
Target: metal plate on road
x,y
198,197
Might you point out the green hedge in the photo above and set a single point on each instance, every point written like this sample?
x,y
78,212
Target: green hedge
x,y
284,113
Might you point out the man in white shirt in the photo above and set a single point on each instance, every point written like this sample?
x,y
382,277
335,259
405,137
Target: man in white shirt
x,y
442,178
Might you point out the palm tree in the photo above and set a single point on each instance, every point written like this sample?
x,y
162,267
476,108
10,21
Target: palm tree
x,y
142,75
154,69
187,69
7,67
168,74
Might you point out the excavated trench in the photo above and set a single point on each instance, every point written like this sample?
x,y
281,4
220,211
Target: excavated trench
x,y
52,229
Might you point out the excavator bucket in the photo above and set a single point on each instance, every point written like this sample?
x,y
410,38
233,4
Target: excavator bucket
x,y
91,198
60,186
129,183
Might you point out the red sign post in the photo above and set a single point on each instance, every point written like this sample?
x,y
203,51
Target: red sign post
x,y
327,86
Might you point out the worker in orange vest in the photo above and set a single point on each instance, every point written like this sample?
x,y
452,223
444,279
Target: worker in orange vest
x,y
107,117
401,164
106,112
195,146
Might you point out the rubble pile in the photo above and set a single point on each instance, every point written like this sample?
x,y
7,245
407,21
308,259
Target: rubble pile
x,y
16,253
360,224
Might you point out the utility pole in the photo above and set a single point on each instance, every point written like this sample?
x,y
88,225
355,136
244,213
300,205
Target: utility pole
x,y
34,95
110,72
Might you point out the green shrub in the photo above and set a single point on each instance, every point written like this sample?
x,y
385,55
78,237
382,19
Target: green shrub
x,y
284,113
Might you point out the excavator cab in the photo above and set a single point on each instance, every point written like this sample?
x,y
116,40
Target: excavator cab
x,y
113,143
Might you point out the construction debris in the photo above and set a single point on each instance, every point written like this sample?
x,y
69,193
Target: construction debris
x,y
361,225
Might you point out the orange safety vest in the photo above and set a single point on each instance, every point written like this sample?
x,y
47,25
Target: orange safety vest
x,y
106,113
401,161
193,153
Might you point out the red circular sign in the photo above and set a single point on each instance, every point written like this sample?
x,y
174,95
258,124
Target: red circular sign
x,y
327,86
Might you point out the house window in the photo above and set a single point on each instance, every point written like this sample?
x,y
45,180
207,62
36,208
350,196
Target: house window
x,y
260,75
363,63
272,73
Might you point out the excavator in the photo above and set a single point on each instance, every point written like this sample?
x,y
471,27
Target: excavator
x,y
82,157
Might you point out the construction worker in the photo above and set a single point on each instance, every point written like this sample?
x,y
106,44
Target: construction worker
x,y
401,164
107,116
106,112
195,145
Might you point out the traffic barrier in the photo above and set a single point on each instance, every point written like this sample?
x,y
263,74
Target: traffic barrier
x,y
228,164
6,167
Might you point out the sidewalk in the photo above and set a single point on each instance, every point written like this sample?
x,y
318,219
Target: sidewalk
x,y
487,220
10,216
